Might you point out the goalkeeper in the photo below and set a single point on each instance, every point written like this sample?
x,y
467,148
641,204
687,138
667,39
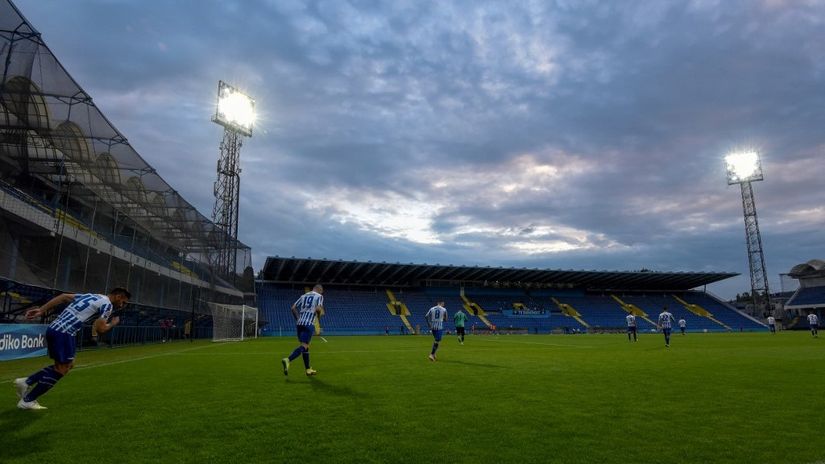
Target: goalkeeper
x,y
459,319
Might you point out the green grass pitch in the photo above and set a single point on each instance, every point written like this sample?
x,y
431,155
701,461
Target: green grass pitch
x,y
732,398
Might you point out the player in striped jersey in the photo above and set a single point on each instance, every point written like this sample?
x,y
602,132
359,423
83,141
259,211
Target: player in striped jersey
x,y
813,323
60,337
309,306
666,321
772,324
435,318
631,326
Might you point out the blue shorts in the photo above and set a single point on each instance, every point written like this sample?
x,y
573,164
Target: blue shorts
x,y
666,332
61,346
305,333
437,334
631,328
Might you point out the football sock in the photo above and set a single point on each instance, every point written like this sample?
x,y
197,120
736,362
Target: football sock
x,y
297,352
435,347
46,382
34,378
306,359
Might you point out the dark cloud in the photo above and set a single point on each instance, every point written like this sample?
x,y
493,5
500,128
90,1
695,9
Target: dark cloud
x,y
547,134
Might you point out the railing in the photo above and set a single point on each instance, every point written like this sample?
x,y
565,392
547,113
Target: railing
x,y
137,335
74,220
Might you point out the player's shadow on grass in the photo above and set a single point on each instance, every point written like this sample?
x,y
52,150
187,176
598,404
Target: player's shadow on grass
x,y
473,364
338,390
13,423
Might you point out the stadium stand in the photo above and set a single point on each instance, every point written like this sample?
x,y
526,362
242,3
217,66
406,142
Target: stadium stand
x,y
599,311
653,304
16,297
82,211
357,311
730,316
419,303
809,297
357,302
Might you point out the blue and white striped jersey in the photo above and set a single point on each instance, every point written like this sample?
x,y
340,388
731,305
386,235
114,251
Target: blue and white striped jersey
x,y
83,308
682,323
436,316
812,319
307,306
666,320
631,320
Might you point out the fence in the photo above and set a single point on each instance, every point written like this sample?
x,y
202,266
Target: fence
x,y
139,323
123,335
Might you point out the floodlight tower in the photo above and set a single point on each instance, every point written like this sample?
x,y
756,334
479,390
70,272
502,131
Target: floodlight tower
x,y
743,169
236,113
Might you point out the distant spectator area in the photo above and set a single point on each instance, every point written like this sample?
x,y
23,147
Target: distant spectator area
x,y
811,292
383,298
808,297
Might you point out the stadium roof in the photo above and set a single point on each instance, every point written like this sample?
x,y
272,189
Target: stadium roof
x,y
51,128
337,272
813,268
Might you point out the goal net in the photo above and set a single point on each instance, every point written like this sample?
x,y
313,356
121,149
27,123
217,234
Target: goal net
x,y
233,322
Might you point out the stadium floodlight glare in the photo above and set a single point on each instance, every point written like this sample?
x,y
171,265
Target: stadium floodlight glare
x,y
743,167
236,110
236,113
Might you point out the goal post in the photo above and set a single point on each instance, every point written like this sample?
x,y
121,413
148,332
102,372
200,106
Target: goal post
x,y
233,322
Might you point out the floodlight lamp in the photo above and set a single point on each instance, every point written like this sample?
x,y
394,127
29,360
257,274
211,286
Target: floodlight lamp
x,y
236,110
743,167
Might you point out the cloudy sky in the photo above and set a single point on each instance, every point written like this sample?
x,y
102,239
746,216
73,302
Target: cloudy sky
x,y
552,134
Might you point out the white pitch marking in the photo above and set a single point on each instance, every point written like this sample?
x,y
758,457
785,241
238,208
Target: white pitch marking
x,y
269,353
123,361
502,340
